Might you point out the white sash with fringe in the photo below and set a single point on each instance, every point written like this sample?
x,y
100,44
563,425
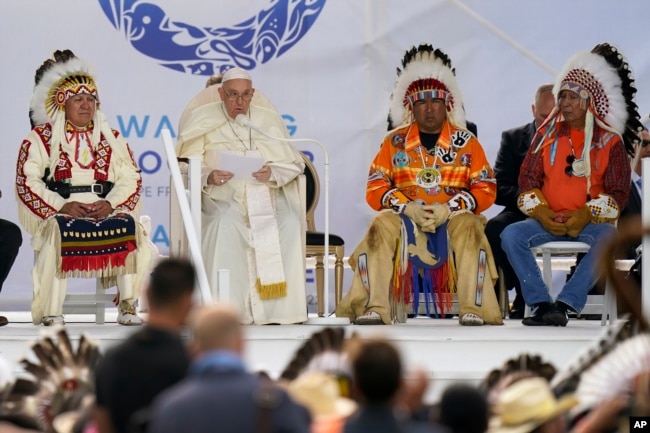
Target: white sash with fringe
x,y
271,282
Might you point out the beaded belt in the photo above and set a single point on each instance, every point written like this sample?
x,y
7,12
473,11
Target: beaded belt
x,y
64,190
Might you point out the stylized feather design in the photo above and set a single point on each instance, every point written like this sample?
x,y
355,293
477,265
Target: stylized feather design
x,y
208,50
61,380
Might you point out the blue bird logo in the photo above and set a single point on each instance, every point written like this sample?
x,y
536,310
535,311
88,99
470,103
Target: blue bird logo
x,y
206,51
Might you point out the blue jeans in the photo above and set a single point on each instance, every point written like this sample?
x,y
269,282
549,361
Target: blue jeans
x,y
517,239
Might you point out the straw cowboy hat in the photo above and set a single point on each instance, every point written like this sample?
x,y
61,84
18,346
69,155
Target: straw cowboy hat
x,y
527,404
319,392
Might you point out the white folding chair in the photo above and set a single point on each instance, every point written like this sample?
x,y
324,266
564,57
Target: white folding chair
x,y
89,303
94,303
596,304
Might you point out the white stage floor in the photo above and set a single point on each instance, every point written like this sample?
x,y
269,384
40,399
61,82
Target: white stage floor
x,y
447,351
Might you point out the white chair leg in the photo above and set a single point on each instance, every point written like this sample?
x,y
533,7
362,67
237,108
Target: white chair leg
x,y
547,270
100,307
610,310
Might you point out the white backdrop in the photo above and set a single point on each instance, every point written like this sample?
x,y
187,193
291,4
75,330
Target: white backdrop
x,y
332,85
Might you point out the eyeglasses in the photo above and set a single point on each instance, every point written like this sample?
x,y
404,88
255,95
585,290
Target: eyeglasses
x,y
233,96
569,169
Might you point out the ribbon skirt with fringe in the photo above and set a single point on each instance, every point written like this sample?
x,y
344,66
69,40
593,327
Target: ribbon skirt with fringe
x,y
96,248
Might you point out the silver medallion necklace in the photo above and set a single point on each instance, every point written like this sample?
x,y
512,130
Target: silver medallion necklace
x,y
577,165
429,177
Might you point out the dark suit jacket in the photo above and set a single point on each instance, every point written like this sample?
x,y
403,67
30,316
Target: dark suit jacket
x,y
514,146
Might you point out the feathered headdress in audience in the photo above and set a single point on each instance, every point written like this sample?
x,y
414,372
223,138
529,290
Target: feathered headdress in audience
x,y
425,73
514,369
567,379
612,364
615,374
319,377
61,380
325,351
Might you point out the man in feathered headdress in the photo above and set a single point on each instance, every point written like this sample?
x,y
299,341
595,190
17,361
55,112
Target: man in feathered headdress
x,y
431,180
78,190
575,177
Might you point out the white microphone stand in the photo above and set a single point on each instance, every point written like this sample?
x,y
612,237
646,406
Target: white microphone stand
x,y
242,120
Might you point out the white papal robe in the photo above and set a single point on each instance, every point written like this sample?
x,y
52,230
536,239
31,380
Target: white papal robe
x,y
228,241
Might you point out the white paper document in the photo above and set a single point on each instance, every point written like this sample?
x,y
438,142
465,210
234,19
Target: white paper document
x,y
242,166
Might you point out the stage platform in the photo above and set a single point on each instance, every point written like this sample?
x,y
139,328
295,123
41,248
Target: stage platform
x,y
447,351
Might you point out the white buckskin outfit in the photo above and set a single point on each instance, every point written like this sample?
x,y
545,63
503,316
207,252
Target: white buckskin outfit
x,y
85,162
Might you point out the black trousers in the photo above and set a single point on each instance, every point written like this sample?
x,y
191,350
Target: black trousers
x,y
493,231
10,240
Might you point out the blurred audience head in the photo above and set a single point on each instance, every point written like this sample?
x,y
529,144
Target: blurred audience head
x,y
217,327
377,372
171,280
464,409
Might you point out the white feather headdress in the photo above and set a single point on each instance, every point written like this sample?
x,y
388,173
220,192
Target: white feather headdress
x,y
425,71
593,79
603,79
57,84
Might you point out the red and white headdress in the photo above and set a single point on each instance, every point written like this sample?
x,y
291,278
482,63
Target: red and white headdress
x,y
426,73
603,80
56,81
